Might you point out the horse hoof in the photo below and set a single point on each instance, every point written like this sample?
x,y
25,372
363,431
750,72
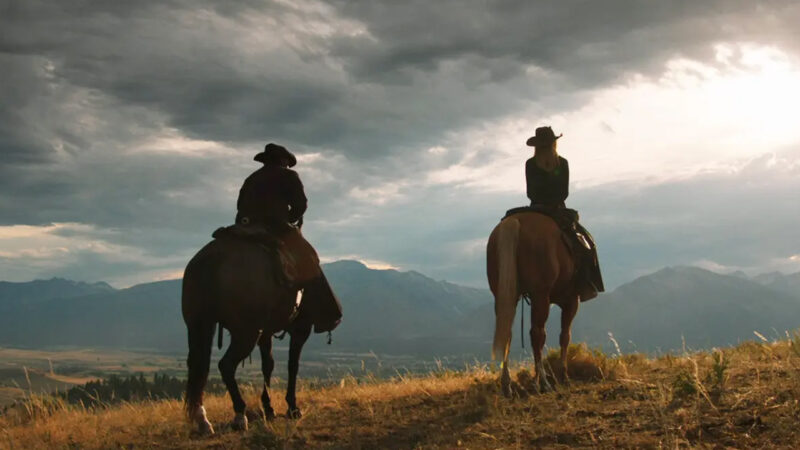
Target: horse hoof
x,y
293,413
255,415
517,391
505,385
239,422
203,425
506,388
205,429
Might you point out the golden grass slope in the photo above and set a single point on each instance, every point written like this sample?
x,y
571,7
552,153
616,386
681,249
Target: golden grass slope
x,y
740,397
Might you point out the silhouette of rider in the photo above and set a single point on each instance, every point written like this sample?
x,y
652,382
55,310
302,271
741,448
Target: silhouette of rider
x,y
547,177
546,173
273,195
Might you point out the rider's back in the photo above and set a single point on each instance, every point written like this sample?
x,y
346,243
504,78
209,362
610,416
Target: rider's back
x,y
271,194
547,187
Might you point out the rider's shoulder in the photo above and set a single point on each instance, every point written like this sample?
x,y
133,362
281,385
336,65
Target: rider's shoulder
x,y
289,176
289,172
272,169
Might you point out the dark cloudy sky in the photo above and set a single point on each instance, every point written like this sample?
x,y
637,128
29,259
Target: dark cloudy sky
x,y
126,128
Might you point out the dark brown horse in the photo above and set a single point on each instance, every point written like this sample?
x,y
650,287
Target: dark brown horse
x,y
526,255
228,284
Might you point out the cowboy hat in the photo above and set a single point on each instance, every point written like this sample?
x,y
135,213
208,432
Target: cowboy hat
x,y
544,136
274,153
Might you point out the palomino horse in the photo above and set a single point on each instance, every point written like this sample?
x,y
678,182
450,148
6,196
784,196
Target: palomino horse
x,y
228,283
526,255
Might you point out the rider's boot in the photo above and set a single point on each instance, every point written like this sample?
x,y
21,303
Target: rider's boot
x,y
587,288
587,291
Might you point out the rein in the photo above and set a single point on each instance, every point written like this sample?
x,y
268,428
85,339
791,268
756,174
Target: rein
x,y
330,339
527,299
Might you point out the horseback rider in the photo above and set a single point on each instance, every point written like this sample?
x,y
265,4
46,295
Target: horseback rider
x,y
272,199
547,177
273,195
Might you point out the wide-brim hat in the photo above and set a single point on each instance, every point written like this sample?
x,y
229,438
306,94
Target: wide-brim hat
x,y
544,136
274,153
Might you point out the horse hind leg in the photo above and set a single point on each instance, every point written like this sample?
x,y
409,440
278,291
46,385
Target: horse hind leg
x,y
267,365
298,338
540,309
201,336
568,313
241,345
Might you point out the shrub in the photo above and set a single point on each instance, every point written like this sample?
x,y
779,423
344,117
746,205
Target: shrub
x,y
583,364
685,385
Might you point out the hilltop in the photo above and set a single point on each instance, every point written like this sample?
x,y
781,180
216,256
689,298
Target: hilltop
x,y
742,397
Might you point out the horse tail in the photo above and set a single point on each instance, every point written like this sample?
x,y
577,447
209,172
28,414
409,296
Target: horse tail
x,y
201,339
505,302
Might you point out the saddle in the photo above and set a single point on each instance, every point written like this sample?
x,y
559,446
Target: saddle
x,y
297,267
578,240
298,260
567,221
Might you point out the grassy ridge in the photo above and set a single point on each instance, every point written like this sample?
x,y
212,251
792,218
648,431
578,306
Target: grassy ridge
x,y
745,396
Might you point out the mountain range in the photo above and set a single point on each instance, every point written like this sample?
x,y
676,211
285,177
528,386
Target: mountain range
x,y
402,313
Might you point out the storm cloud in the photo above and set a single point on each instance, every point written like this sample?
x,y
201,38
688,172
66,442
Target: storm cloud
x,y
138,120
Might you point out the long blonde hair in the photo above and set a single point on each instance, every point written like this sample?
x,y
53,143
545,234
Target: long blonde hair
x,y
548,155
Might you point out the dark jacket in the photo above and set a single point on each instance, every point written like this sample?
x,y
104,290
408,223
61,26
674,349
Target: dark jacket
x,y
547,188
271,194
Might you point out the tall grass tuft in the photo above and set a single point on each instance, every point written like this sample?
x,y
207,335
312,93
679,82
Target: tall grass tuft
x,y
717,376
34,407
583,364
794,342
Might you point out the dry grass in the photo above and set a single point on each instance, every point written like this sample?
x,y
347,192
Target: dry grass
x,y
740,397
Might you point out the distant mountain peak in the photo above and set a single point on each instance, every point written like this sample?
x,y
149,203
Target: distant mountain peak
x,y
50,288
671,276
680,270
103,285
73,282
59,281
346,264
778,281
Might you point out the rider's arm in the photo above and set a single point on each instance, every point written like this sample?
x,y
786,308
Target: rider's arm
x,y
530,178
297,197
244,201
563,188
